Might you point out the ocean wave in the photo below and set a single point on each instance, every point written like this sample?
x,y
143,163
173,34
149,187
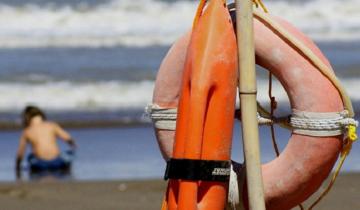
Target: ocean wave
x,y
153,22
64,95
117,22
111,95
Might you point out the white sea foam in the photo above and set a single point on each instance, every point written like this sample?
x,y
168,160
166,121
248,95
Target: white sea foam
x,y
152,22
80,96
111,95
119,22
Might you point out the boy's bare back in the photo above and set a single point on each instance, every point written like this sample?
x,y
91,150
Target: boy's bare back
x,y
42,136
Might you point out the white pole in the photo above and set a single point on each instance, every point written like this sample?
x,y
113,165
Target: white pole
x,y
247,91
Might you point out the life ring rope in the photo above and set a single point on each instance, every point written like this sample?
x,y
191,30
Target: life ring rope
x,y
162,118
300,122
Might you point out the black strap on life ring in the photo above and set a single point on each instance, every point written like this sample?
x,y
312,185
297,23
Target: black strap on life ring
x,y
198,170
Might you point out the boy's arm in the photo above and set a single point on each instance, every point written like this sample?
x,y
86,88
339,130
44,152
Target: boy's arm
x,y
61,133
20,154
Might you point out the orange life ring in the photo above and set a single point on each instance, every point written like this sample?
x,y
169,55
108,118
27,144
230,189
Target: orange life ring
x,y
306,161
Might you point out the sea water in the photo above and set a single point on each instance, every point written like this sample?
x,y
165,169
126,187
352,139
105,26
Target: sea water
x,y
132,153
96,61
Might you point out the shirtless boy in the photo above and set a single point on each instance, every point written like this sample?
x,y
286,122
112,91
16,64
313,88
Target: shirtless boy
x,y
41,135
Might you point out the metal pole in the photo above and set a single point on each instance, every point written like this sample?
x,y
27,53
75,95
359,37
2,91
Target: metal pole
x,y
247,91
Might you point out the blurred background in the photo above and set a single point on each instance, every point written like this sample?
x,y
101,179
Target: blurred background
x,y
91,65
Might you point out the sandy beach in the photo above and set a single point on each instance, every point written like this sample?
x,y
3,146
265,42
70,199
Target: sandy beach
x,y
134,195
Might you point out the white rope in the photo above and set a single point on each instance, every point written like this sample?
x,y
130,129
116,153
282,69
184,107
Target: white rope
x,y
314,123
320,124
264,121
276,120
163,118
300,122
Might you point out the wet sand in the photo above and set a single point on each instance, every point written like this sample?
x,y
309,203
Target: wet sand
x,y
73,124
133,195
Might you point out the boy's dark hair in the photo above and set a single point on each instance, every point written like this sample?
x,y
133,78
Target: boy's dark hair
x,y
30,112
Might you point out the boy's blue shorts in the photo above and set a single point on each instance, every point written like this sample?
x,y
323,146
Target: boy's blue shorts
x,y
62,162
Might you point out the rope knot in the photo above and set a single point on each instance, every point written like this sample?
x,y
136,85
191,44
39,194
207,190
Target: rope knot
x,y
352,132
351,137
